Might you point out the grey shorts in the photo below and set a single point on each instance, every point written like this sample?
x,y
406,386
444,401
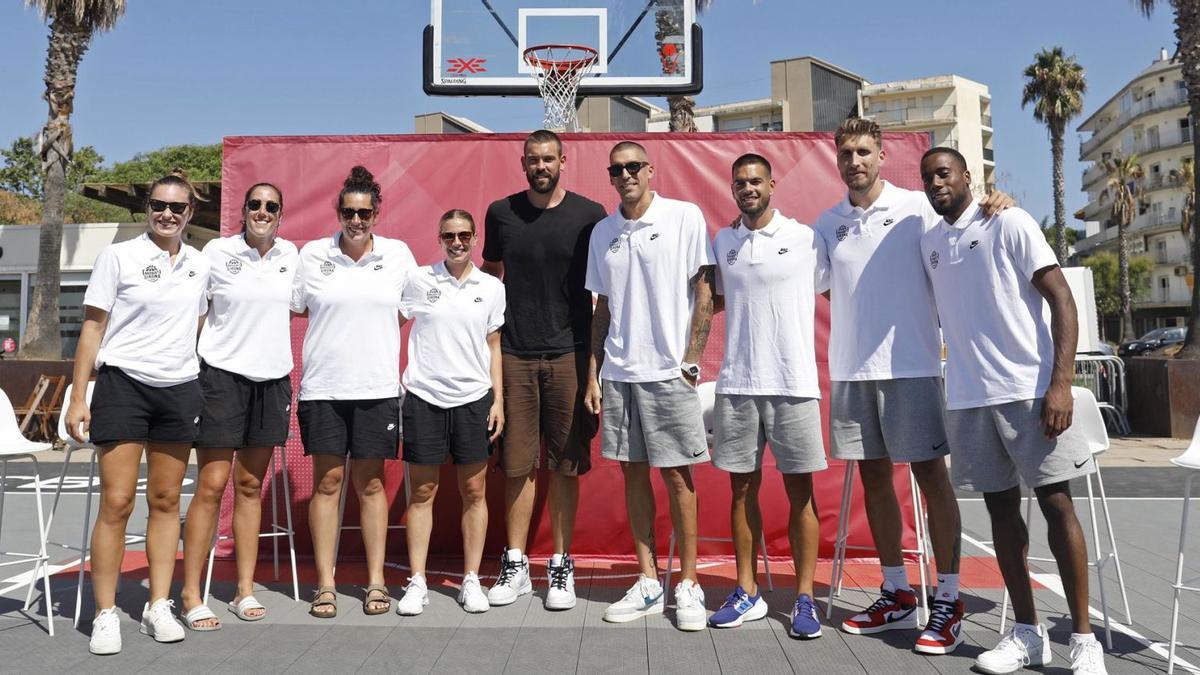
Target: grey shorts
x,y
900,419
744,424
655,422
998,446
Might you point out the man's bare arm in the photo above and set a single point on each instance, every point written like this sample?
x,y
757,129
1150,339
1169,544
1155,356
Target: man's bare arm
x,y
1058,405
702,313
601,320
494,268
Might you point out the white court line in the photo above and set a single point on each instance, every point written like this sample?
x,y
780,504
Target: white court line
x,y
1111,499
1053,583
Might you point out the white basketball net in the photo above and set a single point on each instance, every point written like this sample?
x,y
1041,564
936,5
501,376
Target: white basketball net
x,y
558,70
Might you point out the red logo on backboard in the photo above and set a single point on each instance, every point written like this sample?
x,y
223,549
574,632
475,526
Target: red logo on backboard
x,y
466,66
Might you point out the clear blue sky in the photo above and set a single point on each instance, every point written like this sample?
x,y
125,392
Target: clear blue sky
x,y
191,72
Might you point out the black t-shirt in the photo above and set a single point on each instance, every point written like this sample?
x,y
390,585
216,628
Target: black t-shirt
x,y
544,252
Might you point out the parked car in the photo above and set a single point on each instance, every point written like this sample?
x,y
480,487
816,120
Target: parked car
x,y
1159,337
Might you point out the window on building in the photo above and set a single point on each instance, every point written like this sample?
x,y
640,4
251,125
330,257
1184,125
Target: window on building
x,y
1185,130
735,124
1180,91
10,308
70,308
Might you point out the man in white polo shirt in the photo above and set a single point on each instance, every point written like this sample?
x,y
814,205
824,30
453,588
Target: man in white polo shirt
x,y
651,265
769,270
1011,329
885,376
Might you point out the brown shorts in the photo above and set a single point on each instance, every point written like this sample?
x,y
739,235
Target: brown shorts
x,y
543,404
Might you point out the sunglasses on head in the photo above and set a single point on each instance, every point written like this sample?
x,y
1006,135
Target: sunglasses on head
x,y
633,168
363,214
256,204
462,237
158,206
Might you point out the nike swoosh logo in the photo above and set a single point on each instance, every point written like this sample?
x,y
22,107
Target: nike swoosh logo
x,y
698,453
1079,465
939,445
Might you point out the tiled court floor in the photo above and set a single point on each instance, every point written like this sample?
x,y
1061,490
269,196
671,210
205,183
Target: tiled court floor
x,y
525,638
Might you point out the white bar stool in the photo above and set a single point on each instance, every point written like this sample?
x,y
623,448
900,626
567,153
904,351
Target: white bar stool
x,y
71,445
1090,422
276,530
347,487
1190,460
841,545
13,445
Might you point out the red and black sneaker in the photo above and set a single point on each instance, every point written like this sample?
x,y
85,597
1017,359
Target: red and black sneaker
x,y
943,633
893,610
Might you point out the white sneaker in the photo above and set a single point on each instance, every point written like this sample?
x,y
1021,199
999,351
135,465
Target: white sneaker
x,y
643,599
561,593
1087,657
471,595
106,633
1024,645
159,622
689,606
514,579
416,596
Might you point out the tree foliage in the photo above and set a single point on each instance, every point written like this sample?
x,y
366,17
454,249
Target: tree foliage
x,y
22,173
1106,279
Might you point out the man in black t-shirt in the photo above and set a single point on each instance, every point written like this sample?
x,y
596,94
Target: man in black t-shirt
x,y
537,241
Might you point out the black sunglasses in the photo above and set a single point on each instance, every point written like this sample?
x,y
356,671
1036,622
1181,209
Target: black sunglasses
x,y
349,213
462,237
256,204
633,168
158,205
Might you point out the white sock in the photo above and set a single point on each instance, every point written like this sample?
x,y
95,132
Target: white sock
x,y
1083,637
947,588
895,578
556,560
514,555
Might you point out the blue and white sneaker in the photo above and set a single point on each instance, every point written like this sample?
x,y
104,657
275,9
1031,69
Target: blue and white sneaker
x,y
739,606
643,599
805,623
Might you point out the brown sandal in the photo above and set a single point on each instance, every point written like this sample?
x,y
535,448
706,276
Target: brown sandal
x,y
318,601
378,590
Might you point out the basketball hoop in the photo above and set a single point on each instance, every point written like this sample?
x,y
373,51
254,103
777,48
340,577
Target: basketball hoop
x,y
558,70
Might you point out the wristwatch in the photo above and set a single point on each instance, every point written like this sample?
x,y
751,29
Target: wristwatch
x,y
692,370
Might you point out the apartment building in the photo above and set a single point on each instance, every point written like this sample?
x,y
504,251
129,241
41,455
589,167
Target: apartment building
x,y
1147,117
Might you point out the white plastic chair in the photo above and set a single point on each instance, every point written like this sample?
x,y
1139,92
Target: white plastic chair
x,y
1088,419
276,530
1190,460
840,545
12,446
707,391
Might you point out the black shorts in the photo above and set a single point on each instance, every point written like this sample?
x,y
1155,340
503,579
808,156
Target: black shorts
x,y
360,428
242,413
124,409
430,432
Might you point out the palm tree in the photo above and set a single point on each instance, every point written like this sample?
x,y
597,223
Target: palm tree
x,y
72,25
1186,177
1055,84
1187,36
1124,189
668,25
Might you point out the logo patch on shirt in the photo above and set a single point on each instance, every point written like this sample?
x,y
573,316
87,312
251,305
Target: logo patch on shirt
x,y
782,251
614,245
151,273
233,265
653,236
433,295
731,257
889,221
326,268
974,244
933,259
842,231
378,266
478,299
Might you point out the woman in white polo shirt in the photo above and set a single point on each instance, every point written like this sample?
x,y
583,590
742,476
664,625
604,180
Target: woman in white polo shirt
x,y
349,287
245,359
142,308
454,402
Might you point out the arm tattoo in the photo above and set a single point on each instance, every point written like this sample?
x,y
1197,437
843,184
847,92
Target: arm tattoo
x,y
702,314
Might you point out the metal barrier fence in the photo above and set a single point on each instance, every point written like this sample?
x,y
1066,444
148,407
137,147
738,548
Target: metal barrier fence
x,y
1105,377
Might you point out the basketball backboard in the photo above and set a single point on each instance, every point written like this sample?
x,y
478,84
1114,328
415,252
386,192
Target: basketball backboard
x,y
645,47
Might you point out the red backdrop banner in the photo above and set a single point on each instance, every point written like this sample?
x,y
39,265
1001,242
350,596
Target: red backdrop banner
x,y
424,175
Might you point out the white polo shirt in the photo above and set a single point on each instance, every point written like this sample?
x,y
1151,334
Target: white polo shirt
x,y
997,325
770,278
352,346
883,323
449,362
248,328
154,308
645,267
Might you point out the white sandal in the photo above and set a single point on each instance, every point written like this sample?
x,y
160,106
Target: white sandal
x,y
200,613
248,603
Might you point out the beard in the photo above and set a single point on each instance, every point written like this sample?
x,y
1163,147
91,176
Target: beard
x,y
552,182
956,204
764,203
